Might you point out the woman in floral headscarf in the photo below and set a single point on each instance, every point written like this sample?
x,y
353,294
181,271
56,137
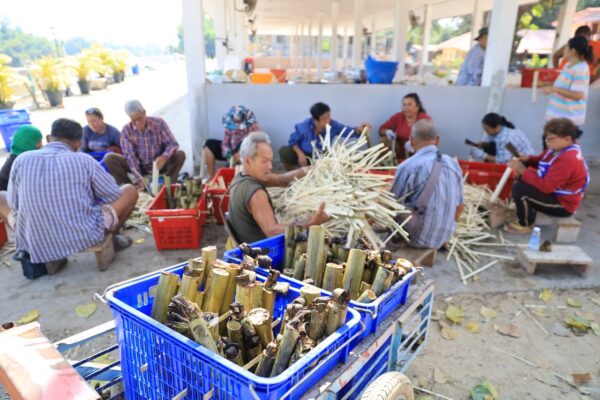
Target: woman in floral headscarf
x,y
238,122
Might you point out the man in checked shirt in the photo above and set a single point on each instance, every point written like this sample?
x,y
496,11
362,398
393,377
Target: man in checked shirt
x,y
143,141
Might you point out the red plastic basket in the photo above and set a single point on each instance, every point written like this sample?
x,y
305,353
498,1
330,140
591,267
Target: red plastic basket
x,y
488,174
179,228
219,196
544,75
3,234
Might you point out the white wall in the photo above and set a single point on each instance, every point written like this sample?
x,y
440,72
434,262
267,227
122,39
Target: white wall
x,y
457,111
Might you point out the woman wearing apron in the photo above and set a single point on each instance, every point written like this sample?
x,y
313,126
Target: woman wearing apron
x,y
556,180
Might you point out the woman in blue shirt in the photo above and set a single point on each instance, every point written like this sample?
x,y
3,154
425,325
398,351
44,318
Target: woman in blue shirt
x,y
300,147
99,136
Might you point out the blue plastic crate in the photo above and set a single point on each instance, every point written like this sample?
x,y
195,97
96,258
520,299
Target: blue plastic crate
x,y
380,71
159,363
371,313
10,122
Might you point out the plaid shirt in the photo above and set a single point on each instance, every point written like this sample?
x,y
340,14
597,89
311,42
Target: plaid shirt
x,y
54,193
410,179
505,136
142,148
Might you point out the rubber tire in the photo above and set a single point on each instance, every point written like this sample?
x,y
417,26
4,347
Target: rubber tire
x,y
389,386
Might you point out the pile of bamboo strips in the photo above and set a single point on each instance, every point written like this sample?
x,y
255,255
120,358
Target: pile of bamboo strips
x,y
138,218
185,196
473,232
233,314
353,197
327,264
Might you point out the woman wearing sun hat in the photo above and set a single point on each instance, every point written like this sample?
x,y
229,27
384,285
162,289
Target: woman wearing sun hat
x,y
238,122
27,138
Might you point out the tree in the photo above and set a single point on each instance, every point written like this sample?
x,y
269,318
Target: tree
x,y
209,37
22,47
75,45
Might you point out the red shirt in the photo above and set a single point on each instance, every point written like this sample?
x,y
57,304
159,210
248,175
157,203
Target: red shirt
x,y
399,125
568,172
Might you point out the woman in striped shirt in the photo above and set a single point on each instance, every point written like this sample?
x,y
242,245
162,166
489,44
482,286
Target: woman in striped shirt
x,y
568,95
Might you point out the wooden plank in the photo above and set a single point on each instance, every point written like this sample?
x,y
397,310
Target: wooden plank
x,y
561,255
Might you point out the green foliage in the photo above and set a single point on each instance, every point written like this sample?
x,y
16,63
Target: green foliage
x,y
536,62
85,63
209,37
22,47
442,30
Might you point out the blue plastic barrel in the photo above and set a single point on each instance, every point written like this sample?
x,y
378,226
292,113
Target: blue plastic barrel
x,y
10,122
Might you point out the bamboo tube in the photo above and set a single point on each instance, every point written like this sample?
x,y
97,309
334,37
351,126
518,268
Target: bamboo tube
x,y
318,321
342,254
199,298
265,365
367,297
301,248
212,322
235,333
290,246
195,267
364,286
231,351
382,281
233,270
202,334
167,289
249,295
209,254
261,321
310,293
334,274
299,267
286,348
304,345
215,287
253,347
367,275
267,300
189,286
337,309
288,272
315,267
353,272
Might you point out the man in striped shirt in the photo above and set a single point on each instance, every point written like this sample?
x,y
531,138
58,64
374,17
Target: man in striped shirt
x,y
53,200
446,202
143,141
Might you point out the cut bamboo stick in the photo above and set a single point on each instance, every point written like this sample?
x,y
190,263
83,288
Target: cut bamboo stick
x,y
290,246
334,275
167,289
189,286
299,267
202,334
310,293
265,365
215,288
261,321
234,332
286,348
249,294
337,309
368,296
315,262
353,272
209,254
364,286
233,270
318,321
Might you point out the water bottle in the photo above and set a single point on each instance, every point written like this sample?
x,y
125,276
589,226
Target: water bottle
x,y
534,240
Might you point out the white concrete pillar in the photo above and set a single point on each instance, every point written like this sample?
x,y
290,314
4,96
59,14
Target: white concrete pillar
x,y
220,33
359,6
499,45
426,38
309,49
193,37
293,47
565,21
333,42
345,49
320,45
476,19
373,46
241,34
302,41
401,23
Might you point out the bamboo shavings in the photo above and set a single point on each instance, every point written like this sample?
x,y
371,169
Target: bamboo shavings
x,y
138,218
340,178
472,231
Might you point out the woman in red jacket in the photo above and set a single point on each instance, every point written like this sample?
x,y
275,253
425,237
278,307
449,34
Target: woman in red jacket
x,y
556,187
400,124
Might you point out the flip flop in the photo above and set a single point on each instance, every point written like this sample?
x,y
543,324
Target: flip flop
x,y
121,242
515,227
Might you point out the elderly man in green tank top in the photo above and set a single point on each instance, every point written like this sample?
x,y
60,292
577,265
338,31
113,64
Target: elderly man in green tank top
x,y
251,214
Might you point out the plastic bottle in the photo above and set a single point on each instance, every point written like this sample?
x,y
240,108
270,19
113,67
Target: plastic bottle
x,y
534,239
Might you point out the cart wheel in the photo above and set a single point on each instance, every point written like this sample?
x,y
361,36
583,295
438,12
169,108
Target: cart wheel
x,y
389,386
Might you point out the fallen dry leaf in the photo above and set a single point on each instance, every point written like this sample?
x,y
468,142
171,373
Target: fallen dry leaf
x,y
540,312
484,391
472,327
573,302
31,316
578,325
455,314
578,379
86,310
439,376
436,315
545,295
139,241
487,313
560,330
448,333
508,330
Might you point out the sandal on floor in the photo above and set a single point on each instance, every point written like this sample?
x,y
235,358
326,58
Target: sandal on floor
x,y
515,227
121,242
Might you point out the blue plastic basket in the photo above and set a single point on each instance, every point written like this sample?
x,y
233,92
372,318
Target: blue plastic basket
x,y
159,363
380,71
371,313
10,122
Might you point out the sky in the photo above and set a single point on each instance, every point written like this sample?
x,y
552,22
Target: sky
x,y
131,22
